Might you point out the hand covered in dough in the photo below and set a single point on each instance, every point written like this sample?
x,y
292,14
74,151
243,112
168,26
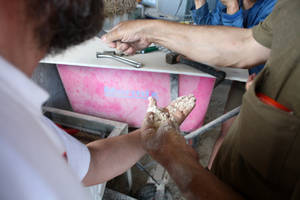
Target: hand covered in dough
x,y
160,130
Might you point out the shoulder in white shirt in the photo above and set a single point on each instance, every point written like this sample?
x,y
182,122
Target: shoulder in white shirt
x,y
32,166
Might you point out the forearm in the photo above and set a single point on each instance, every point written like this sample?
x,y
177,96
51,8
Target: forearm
x,y
113,156
194,181
213,45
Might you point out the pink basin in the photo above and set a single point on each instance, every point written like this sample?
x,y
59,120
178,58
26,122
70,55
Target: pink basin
x,y
121,95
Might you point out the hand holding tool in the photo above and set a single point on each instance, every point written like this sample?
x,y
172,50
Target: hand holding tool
x,y
173,58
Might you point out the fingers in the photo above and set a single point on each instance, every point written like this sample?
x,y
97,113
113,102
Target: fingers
x,y
250,81
148,121
125,32
114,35
181,107
152,102
167,127
153,139
148,132
126,48
251,77
130,51
112,44
122,46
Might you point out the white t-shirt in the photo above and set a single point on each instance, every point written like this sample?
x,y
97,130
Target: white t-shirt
x,y
32,147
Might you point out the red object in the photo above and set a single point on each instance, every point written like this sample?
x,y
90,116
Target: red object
x,y
65,156
70,131
272,102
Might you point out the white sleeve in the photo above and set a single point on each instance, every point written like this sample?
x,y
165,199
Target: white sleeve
x,y
78,155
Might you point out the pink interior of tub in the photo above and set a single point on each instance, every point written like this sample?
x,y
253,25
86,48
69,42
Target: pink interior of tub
x,y
121,95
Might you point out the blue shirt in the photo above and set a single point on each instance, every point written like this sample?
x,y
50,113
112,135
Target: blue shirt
x,y
242,18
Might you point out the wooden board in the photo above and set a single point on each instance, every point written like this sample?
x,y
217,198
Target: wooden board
x,y
85,55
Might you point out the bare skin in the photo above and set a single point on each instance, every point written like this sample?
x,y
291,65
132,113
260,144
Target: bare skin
x,y
214,45
19,49
113,156
165,144
247,4
250,81
232,6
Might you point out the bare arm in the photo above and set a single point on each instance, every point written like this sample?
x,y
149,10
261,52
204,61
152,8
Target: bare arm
x,y
161,139
181,162
213,45
112,157
194,181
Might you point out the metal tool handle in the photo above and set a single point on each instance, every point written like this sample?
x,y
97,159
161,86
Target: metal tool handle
x,y
138,64
220,75
121,59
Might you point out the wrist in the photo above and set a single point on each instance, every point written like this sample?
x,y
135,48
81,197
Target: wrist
x,y
174,153
154,30
232,8
163,32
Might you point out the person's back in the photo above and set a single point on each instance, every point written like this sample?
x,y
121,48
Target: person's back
x,y
31,153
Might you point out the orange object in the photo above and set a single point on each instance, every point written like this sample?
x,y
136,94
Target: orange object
x,y
272,102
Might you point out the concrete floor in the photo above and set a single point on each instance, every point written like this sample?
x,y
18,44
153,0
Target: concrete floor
x,y
203,147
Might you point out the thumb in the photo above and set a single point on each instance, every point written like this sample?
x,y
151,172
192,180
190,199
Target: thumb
x,y
147,133
152,102
148,121
112,36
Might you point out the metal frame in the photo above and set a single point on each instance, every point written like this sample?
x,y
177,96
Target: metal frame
x,y
87,123
95,125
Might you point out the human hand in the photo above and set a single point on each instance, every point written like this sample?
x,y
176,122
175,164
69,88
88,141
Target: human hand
x,y
129,36
160,130
231,5
250,81
176,111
